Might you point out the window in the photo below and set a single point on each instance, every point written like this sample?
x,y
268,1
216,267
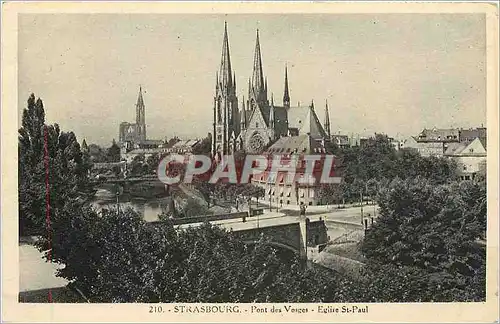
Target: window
x,y
471,150
310,203
256,125
288,202
467,177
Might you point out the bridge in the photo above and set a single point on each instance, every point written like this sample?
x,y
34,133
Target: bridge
x,y
125,184
288,232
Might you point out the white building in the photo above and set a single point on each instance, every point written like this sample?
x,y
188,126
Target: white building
x,y
470,158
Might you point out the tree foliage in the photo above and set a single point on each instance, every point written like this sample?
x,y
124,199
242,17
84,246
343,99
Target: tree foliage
x,y
52,169
433,229
161,264
113,152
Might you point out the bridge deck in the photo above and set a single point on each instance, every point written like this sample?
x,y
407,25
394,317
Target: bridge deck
x,y
267,220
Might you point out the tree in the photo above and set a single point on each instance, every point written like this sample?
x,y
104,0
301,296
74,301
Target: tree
x,y
152,163
204,146
372,188
433,228
192,207
113,153
138,165
52,170
117,257
330,194
96,153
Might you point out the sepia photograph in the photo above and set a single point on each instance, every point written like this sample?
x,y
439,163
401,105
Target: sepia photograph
x,y
297,165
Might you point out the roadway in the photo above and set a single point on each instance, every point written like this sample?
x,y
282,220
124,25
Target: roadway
x,y
337,221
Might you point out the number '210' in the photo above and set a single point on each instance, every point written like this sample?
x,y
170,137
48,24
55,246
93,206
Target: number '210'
x,y
155,309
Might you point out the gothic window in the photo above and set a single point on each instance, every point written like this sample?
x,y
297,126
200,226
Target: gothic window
x,y
256,143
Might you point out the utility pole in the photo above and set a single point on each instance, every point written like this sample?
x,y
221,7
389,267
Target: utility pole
x,y
118,199
361,201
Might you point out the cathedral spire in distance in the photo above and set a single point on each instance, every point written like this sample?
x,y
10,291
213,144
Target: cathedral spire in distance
x,y
286,94
225,73
140,116
327,120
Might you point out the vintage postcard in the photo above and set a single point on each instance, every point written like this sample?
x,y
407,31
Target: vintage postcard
x,y
249,162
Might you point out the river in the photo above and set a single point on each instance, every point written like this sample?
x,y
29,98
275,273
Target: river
x,y
149,208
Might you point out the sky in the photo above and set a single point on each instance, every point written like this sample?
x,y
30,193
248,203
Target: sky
x,y
384,73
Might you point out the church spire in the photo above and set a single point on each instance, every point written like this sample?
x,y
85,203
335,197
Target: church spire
x,y
271,112
225,74
258,74
327,120
286,94
140,116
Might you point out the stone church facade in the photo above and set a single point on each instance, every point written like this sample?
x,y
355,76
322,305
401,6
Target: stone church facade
x,y
259,122
135,132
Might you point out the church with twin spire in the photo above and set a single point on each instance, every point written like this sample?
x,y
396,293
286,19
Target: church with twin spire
x,y
259,122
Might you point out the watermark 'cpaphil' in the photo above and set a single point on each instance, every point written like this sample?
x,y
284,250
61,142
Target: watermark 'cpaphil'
x,y
304,169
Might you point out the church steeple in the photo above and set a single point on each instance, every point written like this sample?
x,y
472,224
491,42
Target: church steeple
x,y
140,117
327,120
258,82
226,118
225,73
286,94
271,113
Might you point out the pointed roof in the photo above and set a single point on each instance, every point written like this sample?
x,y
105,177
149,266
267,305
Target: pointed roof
x,y
286,94
474,148
225,74
258,74
305,120
140,100
327,119
271,116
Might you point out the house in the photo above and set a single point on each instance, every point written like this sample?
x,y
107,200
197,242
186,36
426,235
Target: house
x,y
341,141
439,135
470,158
425,148
280,191
468,135
184,146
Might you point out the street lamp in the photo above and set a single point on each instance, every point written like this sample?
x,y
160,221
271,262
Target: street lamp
x,y
118,193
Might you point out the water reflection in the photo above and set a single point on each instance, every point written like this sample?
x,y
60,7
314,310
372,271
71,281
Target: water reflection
x,y
149,208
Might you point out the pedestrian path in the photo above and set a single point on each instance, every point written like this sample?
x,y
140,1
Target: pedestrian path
x,y
34,272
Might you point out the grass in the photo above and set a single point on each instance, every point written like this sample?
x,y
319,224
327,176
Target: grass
x,y
346,250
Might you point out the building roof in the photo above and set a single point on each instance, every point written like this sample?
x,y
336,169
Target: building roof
x,y
302,144
435,134
296,116
474,148
150,142
455,148
186,143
